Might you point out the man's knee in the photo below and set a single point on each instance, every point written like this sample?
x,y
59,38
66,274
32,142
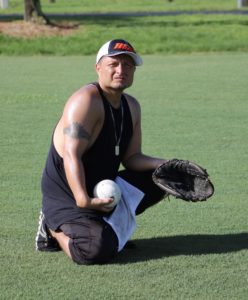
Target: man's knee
x,y
95,244
98,253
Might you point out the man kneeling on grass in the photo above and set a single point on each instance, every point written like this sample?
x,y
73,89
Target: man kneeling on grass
x,y
100,128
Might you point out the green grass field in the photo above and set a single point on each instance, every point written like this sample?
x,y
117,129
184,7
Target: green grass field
x,y
194,107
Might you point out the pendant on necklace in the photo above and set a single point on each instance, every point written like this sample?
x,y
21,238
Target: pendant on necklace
x,y
117,150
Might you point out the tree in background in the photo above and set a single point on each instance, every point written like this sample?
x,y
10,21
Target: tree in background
x,y
33,11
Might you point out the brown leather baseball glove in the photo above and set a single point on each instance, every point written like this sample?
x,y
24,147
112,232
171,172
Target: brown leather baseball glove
x,y
184,179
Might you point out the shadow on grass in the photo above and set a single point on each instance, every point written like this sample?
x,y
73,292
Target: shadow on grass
x,y
127,21
156,248
166,22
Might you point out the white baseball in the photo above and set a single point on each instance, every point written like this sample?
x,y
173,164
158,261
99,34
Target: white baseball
x,y
108,189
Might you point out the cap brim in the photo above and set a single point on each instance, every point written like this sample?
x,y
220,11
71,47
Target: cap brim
x,y
136,58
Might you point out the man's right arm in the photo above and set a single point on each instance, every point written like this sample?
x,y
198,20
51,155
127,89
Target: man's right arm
x,y
79,120
75,140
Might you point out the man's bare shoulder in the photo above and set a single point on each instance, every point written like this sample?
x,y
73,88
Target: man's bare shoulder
x,y
82,113
133,102
87,94
84,106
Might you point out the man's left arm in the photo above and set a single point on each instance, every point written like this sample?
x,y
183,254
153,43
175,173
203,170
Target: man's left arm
x,y
134,159
142,162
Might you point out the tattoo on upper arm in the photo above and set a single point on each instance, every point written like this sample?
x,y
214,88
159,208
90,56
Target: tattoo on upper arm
x,y
76,131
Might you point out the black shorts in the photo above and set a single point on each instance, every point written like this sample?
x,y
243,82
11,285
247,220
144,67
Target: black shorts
x,y
92,241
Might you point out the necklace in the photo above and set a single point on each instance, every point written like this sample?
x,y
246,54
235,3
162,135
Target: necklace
x,y
117,139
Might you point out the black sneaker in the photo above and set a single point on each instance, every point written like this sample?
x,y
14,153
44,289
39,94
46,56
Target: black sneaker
x,y
44,241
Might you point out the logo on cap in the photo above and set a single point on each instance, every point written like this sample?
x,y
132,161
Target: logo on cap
x,y
123,47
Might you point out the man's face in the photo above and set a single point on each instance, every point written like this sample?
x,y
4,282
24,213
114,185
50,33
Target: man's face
x,y
116,72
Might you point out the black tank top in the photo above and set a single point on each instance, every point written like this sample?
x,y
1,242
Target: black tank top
x,y
100,162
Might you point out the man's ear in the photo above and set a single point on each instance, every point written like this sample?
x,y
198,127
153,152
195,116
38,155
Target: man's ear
x,y
97,67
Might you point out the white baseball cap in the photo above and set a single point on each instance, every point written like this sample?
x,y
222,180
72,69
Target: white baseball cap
x,y
117,47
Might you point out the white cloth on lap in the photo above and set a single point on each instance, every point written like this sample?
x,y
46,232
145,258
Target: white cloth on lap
x,y
123,218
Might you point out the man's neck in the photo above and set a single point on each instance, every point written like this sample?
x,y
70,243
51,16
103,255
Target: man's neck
x,y
112,95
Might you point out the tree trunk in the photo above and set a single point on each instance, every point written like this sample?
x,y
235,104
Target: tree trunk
x,y
33,11
28,10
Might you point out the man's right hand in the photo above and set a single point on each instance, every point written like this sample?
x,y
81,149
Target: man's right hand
x,y
98,204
